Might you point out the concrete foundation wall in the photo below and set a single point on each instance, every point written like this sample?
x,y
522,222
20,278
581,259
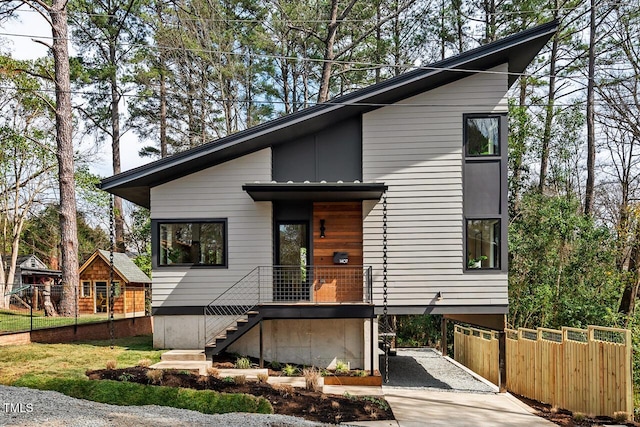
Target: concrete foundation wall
x,y
318,342
182,332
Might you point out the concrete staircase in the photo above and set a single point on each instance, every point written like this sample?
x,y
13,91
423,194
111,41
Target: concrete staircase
x,y
188,360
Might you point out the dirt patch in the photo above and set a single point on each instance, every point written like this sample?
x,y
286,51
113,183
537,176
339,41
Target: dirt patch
x,y
286,400
569,419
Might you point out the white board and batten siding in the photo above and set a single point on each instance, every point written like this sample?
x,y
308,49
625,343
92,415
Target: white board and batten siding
x,y
417,151
213,193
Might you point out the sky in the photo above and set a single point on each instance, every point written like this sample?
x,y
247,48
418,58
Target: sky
x,y
18,36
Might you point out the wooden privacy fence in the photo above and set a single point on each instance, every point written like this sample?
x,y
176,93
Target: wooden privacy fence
x,y
477,350
582,370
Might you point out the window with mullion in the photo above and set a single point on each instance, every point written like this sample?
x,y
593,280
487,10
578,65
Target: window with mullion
x,y
201,243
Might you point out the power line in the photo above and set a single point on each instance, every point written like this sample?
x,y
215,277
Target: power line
x,y
307,103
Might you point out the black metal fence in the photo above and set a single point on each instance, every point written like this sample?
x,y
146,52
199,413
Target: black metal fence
x,y
34,307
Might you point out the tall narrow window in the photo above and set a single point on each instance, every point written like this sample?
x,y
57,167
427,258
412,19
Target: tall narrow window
x,y
193,243
482,136
483,243
86,288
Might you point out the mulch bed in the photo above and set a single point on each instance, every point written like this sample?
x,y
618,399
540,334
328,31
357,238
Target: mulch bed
x,y
315,406
568,419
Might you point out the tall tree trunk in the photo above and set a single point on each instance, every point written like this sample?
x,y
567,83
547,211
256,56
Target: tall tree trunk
x,y
329,54
591,138
115,147
163,110
64,153
549,113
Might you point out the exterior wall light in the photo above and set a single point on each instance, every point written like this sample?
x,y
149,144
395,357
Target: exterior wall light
x,y
322,228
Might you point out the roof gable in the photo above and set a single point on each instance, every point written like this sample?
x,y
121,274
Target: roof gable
x,y
517,51
122,264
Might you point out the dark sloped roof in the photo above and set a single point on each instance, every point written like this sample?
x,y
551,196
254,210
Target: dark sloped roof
x,y
517,51
125,267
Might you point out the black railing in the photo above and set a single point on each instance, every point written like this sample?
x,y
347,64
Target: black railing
x,y
288,285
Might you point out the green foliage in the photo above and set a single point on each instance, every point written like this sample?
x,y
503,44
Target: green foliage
x,y
289,370
418,330
126,393
41,236
562,266
342,367
243,363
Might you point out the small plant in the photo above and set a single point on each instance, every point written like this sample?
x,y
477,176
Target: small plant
x,y
185,372
360,373
275,365
290,370
243,363
155,375
311,378
476,262
229,380
579,417
144,363
213,372
240,379
111,364
620,416
284,389
342,367
262,378
381,403
125,377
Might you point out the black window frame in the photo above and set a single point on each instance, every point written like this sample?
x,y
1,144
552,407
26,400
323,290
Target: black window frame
x,y
469,213
155,242
498,154
498,267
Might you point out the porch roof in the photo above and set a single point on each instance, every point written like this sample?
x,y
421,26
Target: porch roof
x,y
315,191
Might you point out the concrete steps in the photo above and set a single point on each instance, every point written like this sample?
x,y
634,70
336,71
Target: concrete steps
x,y
183,356
184,360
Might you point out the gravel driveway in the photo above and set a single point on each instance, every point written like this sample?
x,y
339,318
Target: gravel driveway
x,y
27,407
426,368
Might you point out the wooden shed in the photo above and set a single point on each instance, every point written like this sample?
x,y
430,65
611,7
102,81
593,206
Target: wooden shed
x,y
131,285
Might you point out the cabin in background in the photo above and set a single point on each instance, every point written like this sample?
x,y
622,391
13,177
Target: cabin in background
x,y
131,283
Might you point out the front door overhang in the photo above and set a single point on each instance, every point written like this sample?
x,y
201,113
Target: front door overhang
x,y
315,191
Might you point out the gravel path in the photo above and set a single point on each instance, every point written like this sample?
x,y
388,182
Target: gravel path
x,y
53,409
426,368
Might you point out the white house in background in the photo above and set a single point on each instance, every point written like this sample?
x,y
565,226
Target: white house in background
x,y
271,241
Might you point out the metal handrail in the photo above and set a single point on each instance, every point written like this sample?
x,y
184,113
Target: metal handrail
x,y
287,284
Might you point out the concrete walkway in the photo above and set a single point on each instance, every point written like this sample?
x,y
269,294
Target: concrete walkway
x,y
426,389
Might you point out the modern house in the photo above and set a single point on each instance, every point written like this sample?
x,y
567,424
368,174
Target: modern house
x,y
131,285
289,239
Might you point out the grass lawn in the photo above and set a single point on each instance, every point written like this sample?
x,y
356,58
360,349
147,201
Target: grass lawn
x,y
62,367
12,321
71,360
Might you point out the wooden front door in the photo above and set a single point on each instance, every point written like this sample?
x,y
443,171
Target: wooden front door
x,y
342,233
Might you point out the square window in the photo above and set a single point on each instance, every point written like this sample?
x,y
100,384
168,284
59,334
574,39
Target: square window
x,y
483,244
482,136
193,243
